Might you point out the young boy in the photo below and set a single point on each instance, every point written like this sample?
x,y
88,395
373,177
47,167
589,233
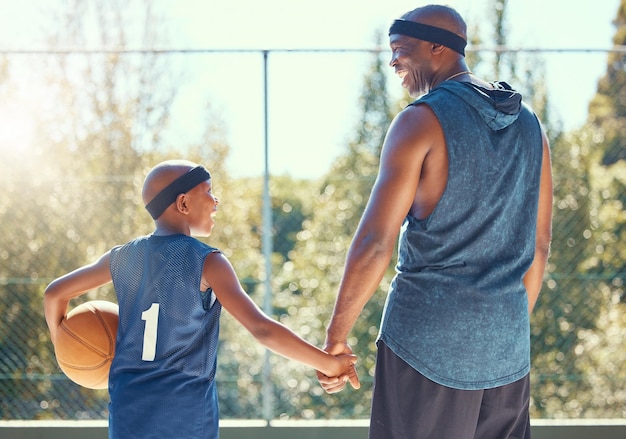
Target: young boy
x,y
170,289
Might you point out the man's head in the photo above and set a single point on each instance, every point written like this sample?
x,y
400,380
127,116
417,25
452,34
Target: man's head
x,y
444,26
177,194
427,43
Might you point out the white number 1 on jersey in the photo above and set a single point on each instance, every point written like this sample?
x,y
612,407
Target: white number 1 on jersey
x,y
151,317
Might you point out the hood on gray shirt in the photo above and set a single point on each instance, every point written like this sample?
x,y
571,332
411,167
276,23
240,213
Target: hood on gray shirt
x,y
499,107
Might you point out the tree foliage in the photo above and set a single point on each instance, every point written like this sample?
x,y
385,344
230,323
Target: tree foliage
x,y
607,109
105,122
580,371
77,193
309,280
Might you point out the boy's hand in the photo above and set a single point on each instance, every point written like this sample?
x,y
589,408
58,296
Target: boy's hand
x,y
334,384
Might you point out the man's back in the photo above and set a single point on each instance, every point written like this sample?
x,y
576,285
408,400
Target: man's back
x,y
457,309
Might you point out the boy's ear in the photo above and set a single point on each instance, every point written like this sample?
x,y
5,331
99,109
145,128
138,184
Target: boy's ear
x,y
182,204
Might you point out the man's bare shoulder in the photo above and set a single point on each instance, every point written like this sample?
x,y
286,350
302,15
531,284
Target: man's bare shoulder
x,y
416,125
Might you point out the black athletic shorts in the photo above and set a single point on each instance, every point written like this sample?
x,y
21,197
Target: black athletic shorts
x,y
406,405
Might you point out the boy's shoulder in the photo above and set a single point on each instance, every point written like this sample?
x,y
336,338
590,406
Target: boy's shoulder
x,y
156,241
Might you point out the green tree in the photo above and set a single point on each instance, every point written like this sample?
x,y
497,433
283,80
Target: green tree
x,y
564,305
77,192
578,360
607,116
308,282
600,351
607,109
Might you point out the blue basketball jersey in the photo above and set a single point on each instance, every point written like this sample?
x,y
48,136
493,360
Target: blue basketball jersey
x,y
161,382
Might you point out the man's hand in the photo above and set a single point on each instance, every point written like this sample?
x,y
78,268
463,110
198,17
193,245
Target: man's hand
x,y
336,384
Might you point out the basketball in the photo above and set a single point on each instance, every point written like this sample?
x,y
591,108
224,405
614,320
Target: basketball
x,y
85,343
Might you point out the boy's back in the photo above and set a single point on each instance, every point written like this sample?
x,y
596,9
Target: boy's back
x,y
164,366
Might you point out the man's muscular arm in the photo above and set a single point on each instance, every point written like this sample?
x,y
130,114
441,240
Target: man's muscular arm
x,y
533,279
408,142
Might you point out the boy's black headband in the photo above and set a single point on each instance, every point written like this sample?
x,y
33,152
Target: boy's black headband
x,y
181,185
429,33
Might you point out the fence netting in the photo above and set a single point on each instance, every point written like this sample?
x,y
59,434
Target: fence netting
x,y
71,183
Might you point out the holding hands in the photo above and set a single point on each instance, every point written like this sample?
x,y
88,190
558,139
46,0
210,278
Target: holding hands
x,y
333,381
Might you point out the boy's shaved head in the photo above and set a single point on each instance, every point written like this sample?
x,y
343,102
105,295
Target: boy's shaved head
x,y
162,175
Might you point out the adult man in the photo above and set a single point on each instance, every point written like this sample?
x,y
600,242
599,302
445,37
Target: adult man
x,y
465,179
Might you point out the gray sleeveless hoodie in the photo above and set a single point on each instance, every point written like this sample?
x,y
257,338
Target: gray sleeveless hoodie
x,y
457,310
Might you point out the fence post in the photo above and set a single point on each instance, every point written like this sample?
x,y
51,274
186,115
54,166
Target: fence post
x,y
268,391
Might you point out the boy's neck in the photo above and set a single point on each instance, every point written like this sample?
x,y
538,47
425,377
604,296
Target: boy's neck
x,y
163,229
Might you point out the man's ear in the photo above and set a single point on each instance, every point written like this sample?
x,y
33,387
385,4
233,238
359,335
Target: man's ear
x,y
436,49
182,203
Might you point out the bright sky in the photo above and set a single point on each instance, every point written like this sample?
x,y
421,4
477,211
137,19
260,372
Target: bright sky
x,y
313,97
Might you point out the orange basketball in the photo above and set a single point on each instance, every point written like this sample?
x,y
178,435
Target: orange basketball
x,y
85,343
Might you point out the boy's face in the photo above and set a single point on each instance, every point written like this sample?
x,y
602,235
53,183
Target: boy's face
x,y
203,209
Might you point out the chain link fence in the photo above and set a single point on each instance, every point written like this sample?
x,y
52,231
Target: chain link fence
x,y
76,194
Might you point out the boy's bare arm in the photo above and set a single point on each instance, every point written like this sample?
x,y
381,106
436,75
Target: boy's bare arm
x,y
220,275
60,291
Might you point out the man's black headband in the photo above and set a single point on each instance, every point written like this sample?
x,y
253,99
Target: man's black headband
x,y
181,185
429,33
